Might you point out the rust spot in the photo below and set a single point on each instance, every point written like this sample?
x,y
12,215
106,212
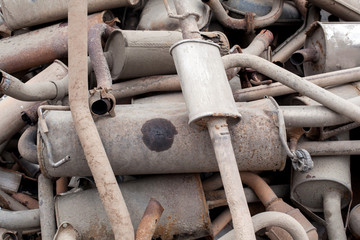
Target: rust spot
x,y
158,134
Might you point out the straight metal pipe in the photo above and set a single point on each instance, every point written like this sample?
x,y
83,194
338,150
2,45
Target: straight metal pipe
x,y
15,220
311,90
93,148
329,148
46,208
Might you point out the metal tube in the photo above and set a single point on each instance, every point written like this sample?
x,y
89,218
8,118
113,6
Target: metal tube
x,y
20,13
278,89
332,211
311,90
11,108
278,219
259,43
148,223
304,55
348,10
26,200
329,148
245,24
301,7
46,208
27,144
20,219
98,162
188,25
40,46
220,137
10,203
221,221
39,91
354,220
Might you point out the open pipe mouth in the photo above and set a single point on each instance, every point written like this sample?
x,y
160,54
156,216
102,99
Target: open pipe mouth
x,y
297,58
101,106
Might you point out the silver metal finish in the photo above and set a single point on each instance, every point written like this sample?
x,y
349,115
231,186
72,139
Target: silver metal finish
x,y
46,208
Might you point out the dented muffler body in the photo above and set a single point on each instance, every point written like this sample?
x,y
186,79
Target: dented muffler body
x,y
156,139
185,213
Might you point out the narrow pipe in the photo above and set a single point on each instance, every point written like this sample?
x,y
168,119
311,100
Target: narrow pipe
x,y
16,220
39,91
98,162
46,208
10,203
278,89
328,148
301,7
26,200
27,144
188,25
245,24
149,220
259,43
304,55
354,220
220,137
289,79
278,219
61,185
221,221
332,211
11,108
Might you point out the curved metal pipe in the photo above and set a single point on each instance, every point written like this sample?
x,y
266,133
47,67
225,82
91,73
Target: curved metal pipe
x,y
249,23
289,79
96,157
27,144
16,220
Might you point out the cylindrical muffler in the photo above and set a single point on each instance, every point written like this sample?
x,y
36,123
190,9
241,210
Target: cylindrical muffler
x,y
185,213
155,17
156,139
348,10
23,13
209,94
337,44
133,53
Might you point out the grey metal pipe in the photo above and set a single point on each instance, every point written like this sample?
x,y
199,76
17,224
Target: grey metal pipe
x,y
304,55
92,145
15,220
289,79
38,91
277,219
46,207
354,220
329,148
11,203
278,89
332,211
27,144
249,23
20,13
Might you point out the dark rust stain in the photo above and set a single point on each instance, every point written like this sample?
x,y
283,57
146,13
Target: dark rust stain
x,y
158,134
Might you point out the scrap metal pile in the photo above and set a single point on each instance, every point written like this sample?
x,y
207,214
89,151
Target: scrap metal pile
x,y
179,119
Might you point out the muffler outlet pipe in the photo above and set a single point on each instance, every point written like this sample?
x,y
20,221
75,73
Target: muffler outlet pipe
x,y
148,223
354,220
329,185
27,145
20,220
185,214
295,82
93,148
335,44
278,89
46,207
203,80
255,137
40,46
101,99
274,219
39,91
20,13
11,108
249,23
348,10
304,55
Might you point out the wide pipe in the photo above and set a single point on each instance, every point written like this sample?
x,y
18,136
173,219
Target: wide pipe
x,y
40,46
289,79
85,127
245,24
278,89
11,108
20,13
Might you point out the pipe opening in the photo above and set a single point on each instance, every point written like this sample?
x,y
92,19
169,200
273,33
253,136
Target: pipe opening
x,y
101,106
297,59
9,236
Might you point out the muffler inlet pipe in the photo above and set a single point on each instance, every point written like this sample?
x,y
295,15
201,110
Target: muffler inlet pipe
x,y
98,162
16,220
291,80
332,211
275,219
47,208
249,23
